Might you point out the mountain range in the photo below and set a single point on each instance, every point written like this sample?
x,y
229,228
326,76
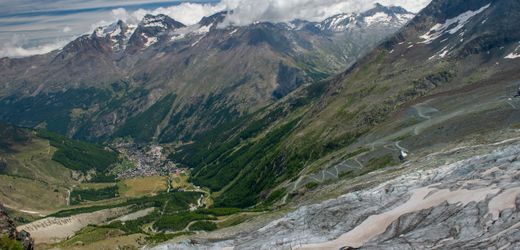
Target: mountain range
x,y
295,135
192,78
449,47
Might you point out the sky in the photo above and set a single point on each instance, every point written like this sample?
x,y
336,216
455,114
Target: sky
x,y
29,27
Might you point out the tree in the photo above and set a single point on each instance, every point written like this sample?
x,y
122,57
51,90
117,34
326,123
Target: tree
x,y
3,166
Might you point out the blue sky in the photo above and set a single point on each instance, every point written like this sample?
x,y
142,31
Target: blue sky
x,y
30,27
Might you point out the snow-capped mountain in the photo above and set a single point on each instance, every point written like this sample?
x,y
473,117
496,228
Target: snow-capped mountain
x,y
214,20
153,29
211,68
379,16
118,34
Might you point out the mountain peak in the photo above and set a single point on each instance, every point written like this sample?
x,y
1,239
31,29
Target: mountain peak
x,y
391,9
379,15
160,21
213,20
151,29
113,30
117,34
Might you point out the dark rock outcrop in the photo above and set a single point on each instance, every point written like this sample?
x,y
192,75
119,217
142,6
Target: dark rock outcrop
x,y
7,228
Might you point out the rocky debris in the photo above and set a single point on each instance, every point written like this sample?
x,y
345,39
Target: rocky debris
x,y
7,228
461,203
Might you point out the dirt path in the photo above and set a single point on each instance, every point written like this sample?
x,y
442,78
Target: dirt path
x,y
25,211
401,148
420,113
512,104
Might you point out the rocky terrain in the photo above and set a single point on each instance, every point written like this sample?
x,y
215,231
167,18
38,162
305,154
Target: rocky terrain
x,y
8,232
161,80
415,145
460,198
441,91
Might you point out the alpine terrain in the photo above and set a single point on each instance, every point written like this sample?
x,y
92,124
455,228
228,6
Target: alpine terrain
x,y
377,129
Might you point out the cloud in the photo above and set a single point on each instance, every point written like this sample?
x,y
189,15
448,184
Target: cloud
x,y
54,22
249,11
12,50
186,13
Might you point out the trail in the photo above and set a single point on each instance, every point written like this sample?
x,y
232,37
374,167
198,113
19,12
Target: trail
x,y
295,186
401,148
512,104
420,113
199,204
164,208
358,162
24,211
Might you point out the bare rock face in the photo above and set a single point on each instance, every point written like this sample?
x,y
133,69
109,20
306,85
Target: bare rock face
x,y
6,224
7,228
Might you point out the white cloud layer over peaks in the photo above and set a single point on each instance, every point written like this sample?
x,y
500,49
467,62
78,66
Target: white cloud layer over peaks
x,y
249,11
13,50
186,13
51,29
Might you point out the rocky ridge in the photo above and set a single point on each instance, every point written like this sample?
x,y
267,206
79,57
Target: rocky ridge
x,y
175,72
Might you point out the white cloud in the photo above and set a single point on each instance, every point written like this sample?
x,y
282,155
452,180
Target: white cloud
x,y
245,12
186,13
248,11
14,50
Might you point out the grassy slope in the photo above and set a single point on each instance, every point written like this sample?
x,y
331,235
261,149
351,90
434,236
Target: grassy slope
x,y
31,179
39,167
244,169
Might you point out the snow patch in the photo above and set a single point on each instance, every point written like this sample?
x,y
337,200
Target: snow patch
x,y
451,26
177,37
338,23
444,52
204,29
154,21
197,42
149,41
515,54
512,56
118,33
404,18
379,17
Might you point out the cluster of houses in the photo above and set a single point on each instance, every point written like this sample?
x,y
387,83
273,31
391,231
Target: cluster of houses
x,y
148,160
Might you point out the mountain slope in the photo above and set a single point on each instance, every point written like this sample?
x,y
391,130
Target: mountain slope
x,y
272,155
442,91
123,70
38,168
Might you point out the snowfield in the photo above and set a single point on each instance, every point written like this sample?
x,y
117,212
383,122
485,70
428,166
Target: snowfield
x,y
451,26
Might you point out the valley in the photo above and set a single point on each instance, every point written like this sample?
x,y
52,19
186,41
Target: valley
x,y
378,129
